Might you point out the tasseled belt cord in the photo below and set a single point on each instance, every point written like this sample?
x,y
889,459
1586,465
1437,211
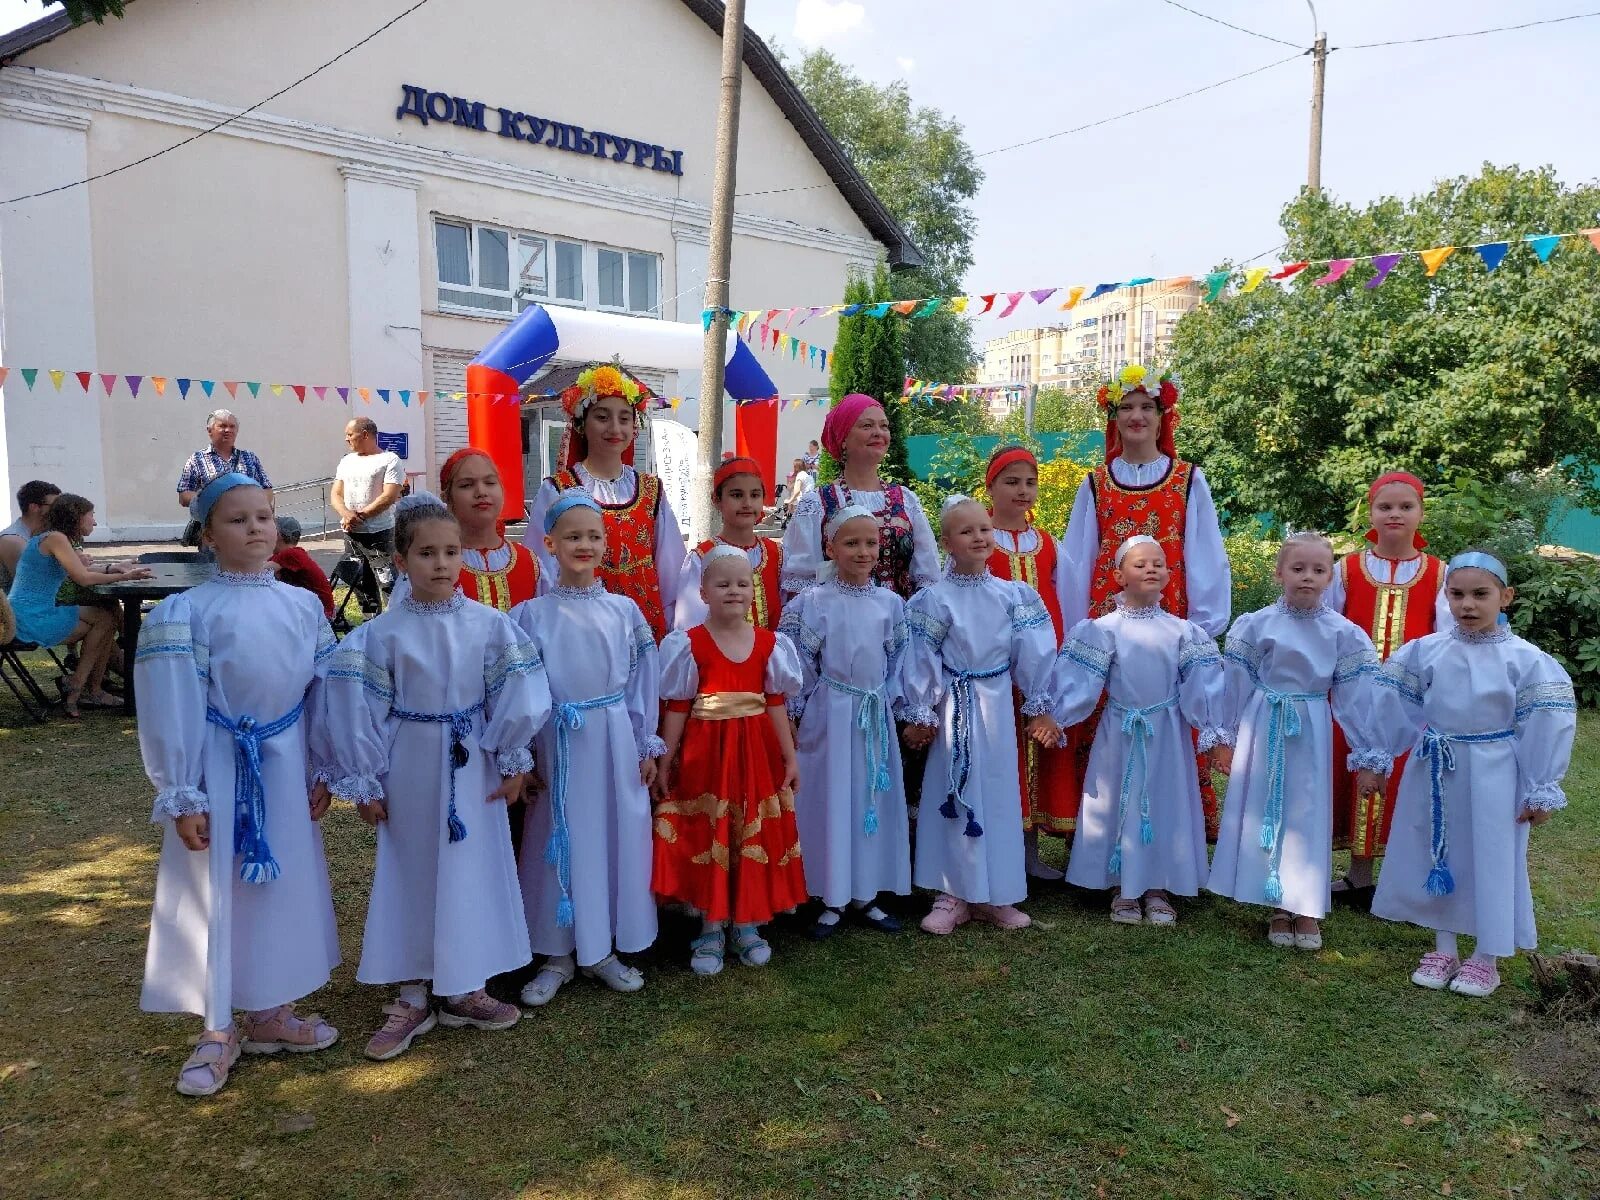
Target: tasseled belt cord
x,y
1136,725
1436,748
1283,722
568,718
460,730
962,700
873,721
249,790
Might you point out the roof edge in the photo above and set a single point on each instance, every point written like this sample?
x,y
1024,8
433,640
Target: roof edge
x,y
36,33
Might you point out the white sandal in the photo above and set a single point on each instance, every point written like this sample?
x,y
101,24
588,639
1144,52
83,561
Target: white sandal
x,y
214,1056
556,973
1126,911
616,974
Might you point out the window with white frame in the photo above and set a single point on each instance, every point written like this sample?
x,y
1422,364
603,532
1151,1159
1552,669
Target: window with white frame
x,y
484,268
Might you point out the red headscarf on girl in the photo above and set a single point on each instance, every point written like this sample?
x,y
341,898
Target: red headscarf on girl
x,y
1383,481
1163,390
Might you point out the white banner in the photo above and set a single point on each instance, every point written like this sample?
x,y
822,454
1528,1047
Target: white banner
x,y
674,446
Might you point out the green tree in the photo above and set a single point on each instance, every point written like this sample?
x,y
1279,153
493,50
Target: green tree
x,y
1297,397
868,358
918,162
1055,410
90,10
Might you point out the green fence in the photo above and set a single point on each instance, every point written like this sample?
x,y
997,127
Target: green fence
x,y
1085,448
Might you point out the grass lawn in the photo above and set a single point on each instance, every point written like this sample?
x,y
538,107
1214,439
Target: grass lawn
x,y
1073,1059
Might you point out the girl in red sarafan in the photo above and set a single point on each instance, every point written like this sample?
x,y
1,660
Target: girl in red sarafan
x,y
1024,553
726,843
737,491
1144,487
1395,592
644,546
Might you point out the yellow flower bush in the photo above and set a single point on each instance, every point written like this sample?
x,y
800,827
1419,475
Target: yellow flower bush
x,y
1058,485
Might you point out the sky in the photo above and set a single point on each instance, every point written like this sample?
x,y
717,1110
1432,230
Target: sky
x,y
1175,190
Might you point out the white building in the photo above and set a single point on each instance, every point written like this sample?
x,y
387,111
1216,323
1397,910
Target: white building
x,y
377,224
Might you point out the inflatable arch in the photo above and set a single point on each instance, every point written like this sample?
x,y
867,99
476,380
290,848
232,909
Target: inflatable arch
x,y
524,347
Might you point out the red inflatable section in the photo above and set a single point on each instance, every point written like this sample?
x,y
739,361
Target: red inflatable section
x,y
494,424
756,436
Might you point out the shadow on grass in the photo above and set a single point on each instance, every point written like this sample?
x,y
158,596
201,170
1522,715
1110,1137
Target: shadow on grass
x,y
1073,1059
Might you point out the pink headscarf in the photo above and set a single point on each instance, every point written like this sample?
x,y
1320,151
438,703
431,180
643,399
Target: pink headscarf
x,y
842,419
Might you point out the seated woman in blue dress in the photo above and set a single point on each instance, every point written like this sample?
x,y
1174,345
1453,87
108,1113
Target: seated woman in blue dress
x,y
48,560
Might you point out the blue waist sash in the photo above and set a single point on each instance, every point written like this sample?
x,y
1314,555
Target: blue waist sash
x,y
568,718
249,790
460,730
874,725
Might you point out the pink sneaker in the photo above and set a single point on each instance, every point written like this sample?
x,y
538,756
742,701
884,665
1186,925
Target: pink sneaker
x,y
479,1010
1436,970
1002,916
401,1026
947,914
1476,978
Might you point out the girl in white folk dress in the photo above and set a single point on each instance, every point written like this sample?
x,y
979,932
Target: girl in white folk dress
x,y
974,637
1283,664
1491,720
855,835
586,849
227,673
431,708
1141,826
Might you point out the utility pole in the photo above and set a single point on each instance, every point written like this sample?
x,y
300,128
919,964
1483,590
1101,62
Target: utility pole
x,y
1319,69
721,258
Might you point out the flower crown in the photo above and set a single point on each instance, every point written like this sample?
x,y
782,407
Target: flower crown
x,y
1133,378
601,382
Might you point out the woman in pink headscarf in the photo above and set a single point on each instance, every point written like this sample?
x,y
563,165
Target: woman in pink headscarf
x,y
856,433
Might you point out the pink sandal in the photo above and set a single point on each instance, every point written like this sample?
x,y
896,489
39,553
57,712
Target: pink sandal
x,y
207,1068
281,1029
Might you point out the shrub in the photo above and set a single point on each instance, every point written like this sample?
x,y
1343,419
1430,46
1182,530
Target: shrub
x,y
1251,558
1558,609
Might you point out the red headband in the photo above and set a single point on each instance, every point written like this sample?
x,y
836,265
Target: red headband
x,y
447,472
1383,481
734,466
1005,457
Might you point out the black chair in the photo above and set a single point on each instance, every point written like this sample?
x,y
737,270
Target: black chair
x,y
169,556
15,672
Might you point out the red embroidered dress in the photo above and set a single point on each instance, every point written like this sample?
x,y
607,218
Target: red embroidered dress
x,y
768,603
897,540
726,842
503,589
630,567
1392,614
1050,782
1159,510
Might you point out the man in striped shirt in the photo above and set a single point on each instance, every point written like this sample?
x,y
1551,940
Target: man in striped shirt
x,y
220,457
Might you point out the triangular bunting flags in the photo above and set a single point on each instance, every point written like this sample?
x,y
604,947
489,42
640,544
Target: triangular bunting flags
x,y
255,388
183,388
159,382
1543,244
277,388
929,307
958,304
344,394
1040,295
1215,282
1290,269
1492,253
383,394
56,377
232,386
988,302
365,394
1434,259
322,391
880,310
109,383
850,310
208,386
83,379
405,397
4,371
422,398
1073,297
299,390
794,348
1382,264
1012,300
1100,289
1594,237
1141,281
904,307
1181,281
1253,278
133,384
1336,269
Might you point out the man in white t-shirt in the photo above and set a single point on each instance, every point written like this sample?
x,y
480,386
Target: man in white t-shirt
x,y
366,485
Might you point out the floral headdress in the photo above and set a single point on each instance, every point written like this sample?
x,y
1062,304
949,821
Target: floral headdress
x,y
600,382
1163,389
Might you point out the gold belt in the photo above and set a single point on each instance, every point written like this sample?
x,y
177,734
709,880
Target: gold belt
x,y
725,706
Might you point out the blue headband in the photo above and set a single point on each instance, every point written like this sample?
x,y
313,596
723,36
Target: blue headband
x,y
568,500
1480,560
201,505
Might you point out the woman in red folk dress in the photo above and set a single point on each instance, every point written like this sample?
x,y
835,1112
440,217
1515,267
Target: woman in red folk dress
x,y
740,497
726,843
1027,554
644,546
1396,593
1144,487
